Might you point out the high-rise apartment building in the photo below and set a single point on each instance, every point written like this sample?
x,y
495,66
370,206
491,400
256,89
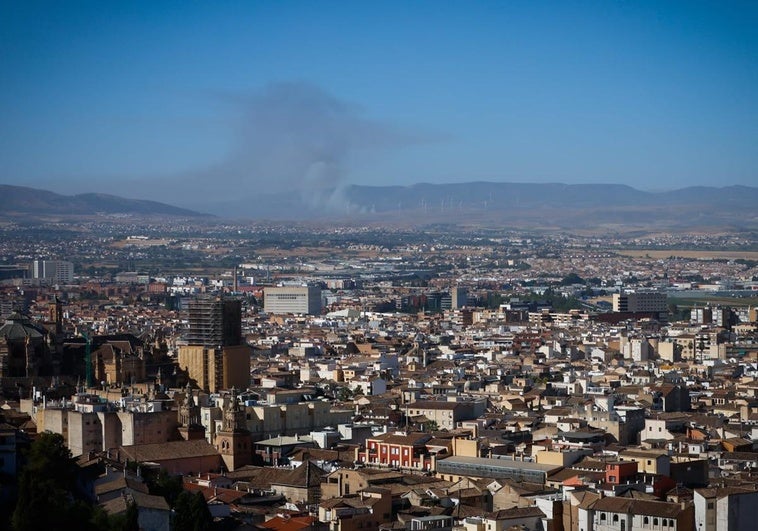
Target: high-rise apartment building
x,y
56,271
459,297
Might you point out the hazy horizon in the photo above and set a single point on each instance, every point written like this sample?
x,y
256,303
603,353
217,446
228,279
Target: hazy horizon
x,y
196,101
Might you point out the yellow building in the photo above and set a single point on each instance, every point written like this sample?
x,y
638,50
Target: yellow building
x,y
560,458
648,461
215,369
466,447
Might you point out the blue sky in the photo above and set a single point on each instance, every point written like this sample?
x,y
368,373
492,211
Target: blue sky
x,y
143,97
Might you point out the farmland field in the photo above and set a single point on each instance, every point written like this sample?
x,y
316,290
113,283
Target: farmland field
x,y
694,254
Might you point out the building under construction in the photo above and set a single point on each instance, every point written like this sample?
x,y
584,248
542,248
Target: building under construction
x,y
215,355
215,322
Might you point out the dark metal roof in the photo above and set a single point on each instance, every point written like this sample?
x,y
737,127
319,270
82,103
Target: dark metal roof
x,y
19,326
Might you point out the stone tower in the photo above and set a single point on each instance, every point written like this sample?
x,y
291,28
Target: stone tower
x,y
190,428
233,441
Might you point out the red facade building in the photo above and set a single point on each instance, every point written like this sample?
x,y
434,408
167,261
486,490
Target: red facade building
x,y
397,450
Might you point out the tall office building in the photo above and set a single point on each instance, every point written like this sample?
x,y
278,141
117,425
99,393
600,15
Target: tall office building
x,y
215,355
292,299
459,297
652,302
56,271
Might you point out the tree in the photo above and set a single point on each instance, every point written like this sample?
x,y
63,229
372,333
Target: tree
x,y
170,487
131,518
126,521
344,394
572,278
192,513
46,487
430,426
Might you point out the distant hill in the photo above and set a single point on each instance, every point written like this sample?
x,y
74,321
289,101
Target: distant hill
x,y
512,205
543,195
23,201
547,205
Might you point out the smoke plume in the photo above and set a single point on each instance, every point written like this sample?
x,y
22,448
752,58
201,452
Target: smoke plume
x,y
294,138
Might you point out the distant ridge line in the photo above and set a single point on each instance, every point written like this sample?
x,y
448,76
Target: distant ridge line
x,y
22,200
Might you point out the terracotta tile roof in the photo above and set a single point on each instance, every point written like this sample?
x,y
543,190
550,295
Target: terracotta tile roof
x,y
226,496
119,505
263,477
150,501
168,450
409,440
287,523
586,498
307,472
320,454
121,483
721,492
515,512
641,507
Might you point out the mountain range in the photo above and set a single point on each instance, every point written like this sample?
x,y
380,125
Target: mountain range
x,y
21,201
518,205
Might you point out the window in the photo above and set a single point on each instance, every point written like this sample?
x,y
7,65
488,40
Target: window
x,y
615,518
655,521
646,520
602,517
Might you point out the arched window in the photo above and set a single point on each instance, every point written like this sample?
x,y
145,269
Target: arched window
x,y
646,520
602,516
655,521
615,518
